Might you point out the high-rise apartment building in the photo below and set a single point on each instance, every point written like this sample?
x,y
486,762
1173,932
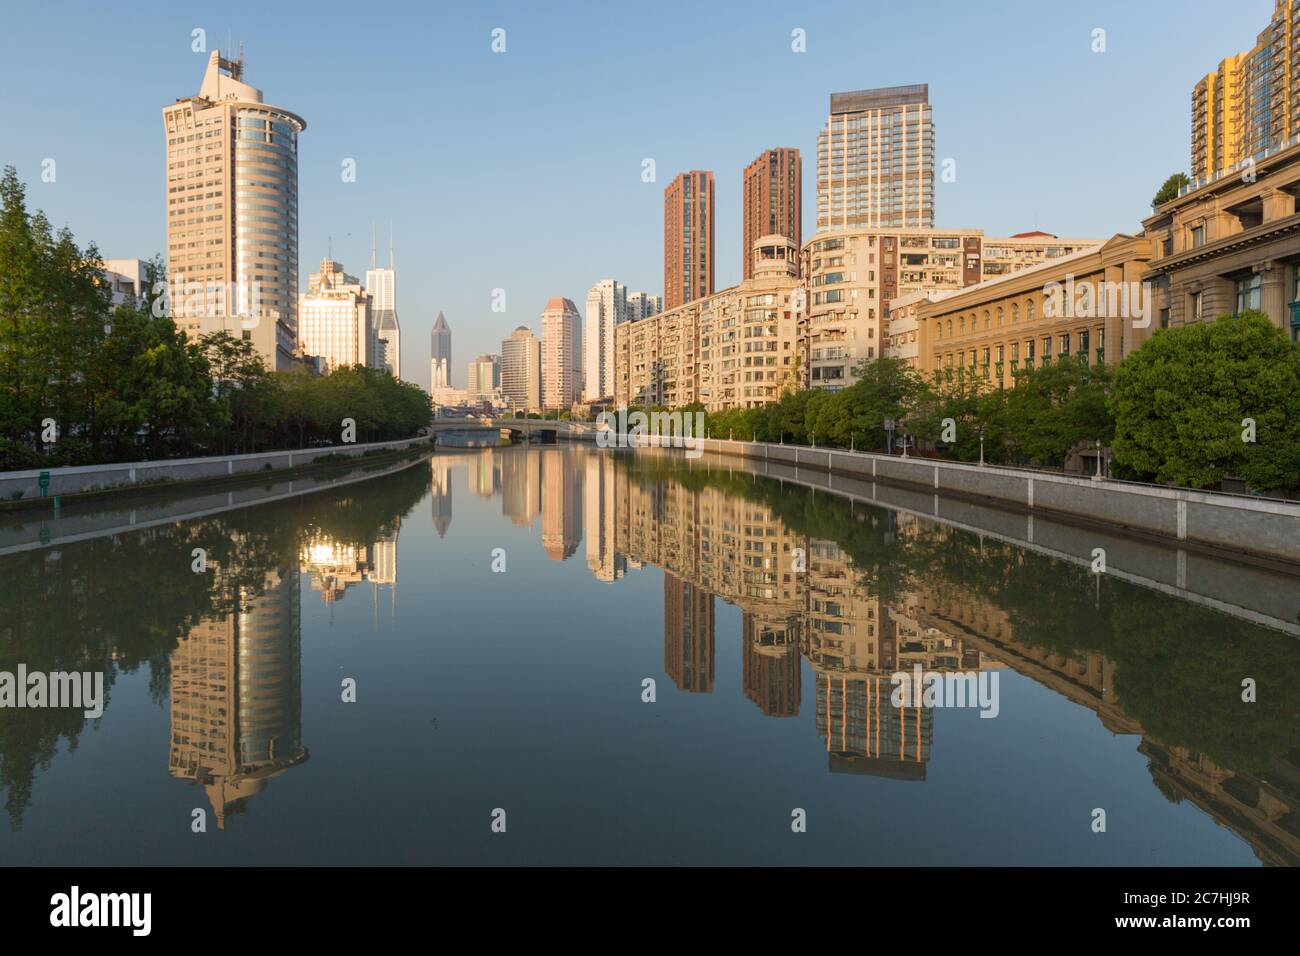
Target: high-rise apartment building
x,y
561,353
875,160
853,277
232,213
382,286
737,348
440,354
642,305
484,378
688,238
521,370
808,318
606,308
773,186
1251,103
336,320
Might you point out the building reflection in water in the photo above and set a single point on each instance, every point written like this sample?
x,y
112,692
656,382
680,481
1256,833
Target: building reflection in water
x,y
236,697
711,543
440,491
561,504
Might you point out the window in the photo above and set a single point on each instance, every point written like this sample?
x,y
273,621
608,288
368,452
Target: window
x,y
1198,236
1248,293
1194,307
1065,344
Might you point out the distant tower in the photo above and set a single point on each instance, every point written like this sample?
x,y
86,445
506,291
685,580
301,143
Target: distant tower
x,y
521,370
772,190
382,286
606,308
561,353
688,238
440,354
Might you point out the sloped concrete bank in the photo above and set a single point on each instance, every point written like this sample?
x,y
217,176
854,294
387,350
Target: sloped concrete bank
x,y
37,488
1241,525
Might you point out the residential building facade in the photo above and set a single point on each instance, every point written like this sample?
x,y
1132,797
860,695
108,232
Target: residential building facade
x,y
738,348
875,160
688,238
772,191
854,276
1250,104
606,308
561,353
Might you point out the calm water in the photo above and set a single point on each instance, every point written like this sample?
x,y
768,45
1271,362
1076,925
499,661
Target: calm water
x,y
523,690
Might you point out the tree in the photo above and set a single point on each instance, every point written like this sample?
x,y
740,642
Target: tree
x,y
1055,408
1170,189
1185,402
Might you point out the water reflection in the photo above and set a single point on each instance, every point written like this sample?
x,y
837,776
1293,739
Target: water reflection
x,y
834,597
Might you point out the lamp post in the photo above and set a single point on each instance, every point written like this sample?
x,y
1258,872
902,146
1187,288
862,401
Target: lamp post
x,y
981,446
1097,476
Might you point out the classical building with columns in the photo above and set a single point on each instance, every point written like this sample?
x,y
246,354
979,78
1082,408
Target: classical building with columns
x,y
1090,304
1230,245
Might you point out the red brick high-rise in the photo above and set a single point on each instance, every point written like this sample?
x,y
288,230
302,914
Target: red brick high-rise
x,y
773,186
688,238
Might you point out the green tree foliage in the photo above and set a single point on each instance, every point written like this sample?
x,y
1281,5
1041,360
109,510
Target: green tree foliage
x,y
1180,402
125,383
1170,188
1056,408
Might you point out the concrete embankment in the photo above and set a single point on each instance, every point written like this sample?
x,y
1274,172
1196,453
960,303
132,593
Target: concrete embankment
x,y
1262,528
37,488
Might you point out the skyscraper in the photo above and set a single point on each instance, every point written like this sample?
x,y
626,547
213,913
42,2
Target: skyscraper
x,y
773,186
232,213
440,354
642,305
335,320
606,308
875,160
382,286
1247,105
521,370
688,238
484,378
561,353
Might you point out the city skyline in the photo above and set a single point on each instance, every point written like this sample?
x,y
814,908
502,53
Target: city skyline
x,y
1133,151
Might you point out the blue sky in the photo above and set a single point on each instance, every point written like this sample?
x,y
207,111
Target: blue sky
x,y
522,170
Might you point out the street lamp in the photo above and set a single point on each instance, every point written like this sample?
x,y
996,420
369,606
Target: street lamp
x,y
1097,476
981,446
